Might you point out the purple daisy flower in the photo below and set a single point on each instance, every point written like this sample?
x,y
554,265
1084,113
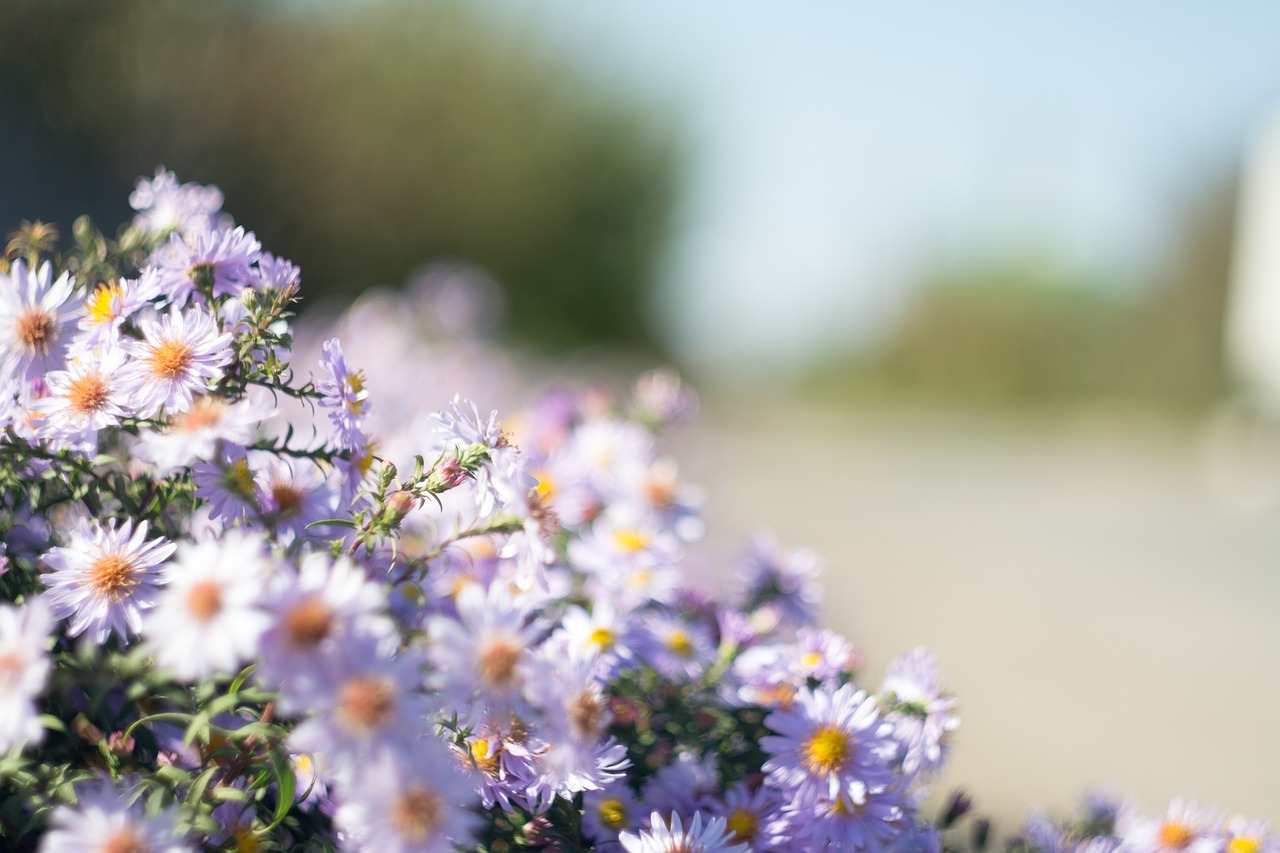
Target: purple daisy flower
x,y
105,578
610,811
863,821
749,814
344,394
212,261
830,744
164,205
923,715
276,273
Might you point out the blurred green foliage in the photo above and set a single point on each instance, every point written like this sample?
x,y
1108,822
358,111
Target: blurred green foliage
x,y
1018,331
362,139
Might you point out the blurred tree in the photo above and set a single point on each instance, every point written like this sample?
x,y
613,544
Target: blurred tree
x,y
363,139
1016,331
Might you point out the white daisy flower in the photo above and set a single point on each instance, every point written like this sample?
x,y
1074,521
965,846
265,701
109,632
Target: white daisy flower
x,y
34,315
313,613
83,399
164,205
178,357
676,838
109,305
105,578
485,654
416,802
24,669
193,435
374,705
105,821
227,487
208,618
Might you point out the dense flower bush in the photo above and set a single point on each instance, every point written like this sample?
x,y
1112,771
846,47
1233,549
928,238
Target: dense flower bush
x,y
251,605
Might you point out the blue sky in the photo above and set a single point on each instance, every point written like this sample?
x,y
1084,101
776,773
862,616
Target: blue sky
x,y
839,150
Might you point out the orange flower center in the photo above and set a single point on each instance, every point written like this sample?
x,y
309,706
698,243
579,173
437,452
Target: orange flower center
x,y
288,500
365,704
1175,835
307,623
87,394
586,713
124,841
112,576
205,412
170,360
35,331
418,814
204,600
499,658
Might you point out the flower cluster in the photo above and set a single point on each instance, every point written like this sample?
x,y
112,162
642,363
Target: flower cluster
x,y
249,608
1105,825
257,597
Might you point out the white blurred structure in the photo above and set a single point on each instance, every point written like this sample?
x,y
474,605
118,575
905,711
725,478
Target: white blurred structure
x,y
1253,312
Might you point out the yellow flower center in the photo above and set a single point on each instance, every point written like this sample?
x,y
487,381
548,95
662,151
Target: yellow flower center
x,y
239,479
602,639
630,540
246,841
743,824
112,576
355,382
546,487
678,643
169,360
826,750
418,814
1244,844
811,660
485,754
100,307
613,814
87,394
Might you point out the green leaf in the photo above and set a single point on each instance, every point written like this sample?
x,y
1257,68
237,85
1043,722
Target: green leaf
x,y
287,781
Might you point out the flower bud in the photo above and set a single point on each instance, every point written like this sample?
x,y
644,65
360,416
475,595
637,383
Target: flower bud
x,y
448,473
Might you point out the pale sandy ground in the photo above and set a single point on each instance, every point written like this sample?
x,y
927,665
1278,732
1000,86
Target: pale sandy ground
x,y
1104,618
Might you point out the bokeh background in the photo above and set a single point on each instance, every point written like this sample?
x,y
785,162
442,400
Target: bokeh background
x,y
953,281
